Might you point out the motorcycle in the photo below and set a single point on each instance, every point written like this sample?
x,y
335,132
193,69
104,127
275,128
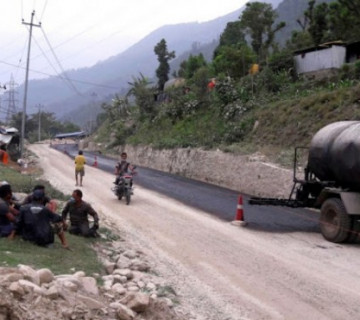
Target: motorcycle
x,y
123,186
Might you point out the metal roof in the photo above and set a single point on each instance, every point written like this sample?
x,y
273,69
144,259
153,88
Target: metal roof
x,y
77,134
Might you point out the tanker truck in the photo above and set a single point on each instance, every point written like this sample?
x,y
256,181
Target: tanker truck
x,y
330,182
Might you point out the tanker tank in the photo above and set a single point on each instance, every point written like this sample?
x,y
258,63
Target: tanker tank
x,y
334,154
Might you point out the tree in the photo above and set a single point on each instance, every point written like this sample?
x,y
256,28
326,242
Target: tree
x,y
257,21
344,21
233,62
144,96
191,65
318,21
164,56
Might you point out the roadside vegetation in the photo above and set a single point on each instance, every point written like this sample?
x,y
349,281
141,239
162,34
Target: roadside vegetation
x,y
258,101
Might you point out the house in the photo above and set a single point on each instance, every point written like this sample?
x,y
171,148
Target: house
x,y
326,58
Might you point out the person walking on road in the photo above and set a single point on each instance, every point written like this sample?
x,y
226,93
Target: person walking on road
x,y
79,168
79,211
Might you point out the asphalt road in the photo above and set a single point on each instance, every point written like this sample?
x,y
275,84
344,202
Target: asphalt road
x,y
218,201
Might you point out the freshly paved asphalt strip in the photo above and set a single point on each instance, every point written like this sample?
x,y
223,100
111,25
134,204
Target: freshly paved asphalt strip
x,y
218,201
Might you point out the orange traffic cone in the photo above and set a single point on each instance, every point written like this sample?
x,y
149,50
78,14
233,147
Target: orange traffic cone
x,y
95,164
239,217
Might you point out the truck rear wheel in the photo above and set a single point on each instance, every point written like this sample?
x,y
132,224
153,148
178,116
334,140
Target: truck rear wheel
x,y
335,223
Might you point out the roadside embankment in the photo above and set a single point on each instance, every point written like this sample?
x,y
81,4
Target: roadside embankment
x,y
252,175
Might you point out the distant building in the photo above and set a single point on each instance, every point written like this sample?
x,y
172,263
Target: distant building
x,y
325,59
76,135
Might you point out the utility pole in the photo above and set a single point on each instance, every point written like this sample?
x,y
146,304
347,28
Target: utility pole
x,y
39,130
31,24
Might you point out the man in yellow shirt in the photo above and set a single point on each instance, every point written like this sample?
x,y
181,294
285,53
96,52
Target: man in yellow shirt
x,y
79,167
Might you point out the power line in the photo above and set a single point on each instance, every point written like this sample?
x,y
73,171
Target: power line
x,y
42,14
56,72
59,63
59,76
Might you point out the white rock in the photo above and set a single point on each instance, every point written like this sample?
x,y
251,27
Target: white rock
x,y
115,305
108,277
90,302
89,285
136,301
109,267
124,272
108,284
16,288
52,293
29,274
140,265
118,288
133,288
30,286
45,276
12,277
125,313
70,285
79,274
150,286
123,262
120,279
131,254
168,302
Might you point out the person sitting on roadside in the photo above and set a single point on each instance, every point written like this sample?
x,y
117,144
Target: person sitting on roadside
x,y
37,223
46,201
7,214
79,211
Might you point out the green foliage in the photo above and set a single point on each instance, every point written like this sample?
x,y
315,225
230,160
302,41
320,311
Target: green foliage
x,y
26,183
191,65
180,105
318,21
48,124
344,21
60,261
164,56
257,21
144,96
233,61
282,61
199,82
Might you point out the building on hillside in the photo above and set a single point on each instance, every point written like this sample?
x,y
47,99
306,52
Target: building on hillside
x,y
326,59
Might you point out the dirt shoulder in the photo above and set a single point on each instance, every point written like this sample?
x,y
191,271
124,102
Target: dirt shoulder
x,y
220,271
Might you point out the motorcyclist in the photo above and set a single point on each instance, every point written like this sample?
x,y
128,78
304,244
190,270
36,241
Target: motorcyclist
x,y
122,167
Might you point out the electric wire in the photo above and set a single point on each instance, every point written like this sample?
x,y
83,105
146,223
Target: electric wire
x,y
50,63
42,14
22,9
51,75
59,64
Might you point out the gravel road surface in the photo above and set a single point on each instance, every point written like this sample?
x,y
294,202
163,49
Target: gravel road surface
x,y
221,271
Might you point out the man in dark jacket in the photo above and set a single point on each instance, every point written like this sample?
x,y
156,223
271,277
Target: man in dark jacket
x,y
36,223
79,211
7,214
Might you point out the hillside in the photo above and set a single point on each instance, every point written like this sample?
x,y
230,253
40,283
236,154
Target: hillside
x,y
111,75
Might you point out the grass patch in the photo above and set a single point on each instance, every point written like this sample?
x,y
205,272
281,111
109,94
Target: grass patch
x,y
82,257
25,183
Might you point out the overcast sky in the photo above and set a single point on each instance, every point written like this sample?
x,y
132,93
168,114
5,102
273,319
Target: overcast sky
x,y
83,32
